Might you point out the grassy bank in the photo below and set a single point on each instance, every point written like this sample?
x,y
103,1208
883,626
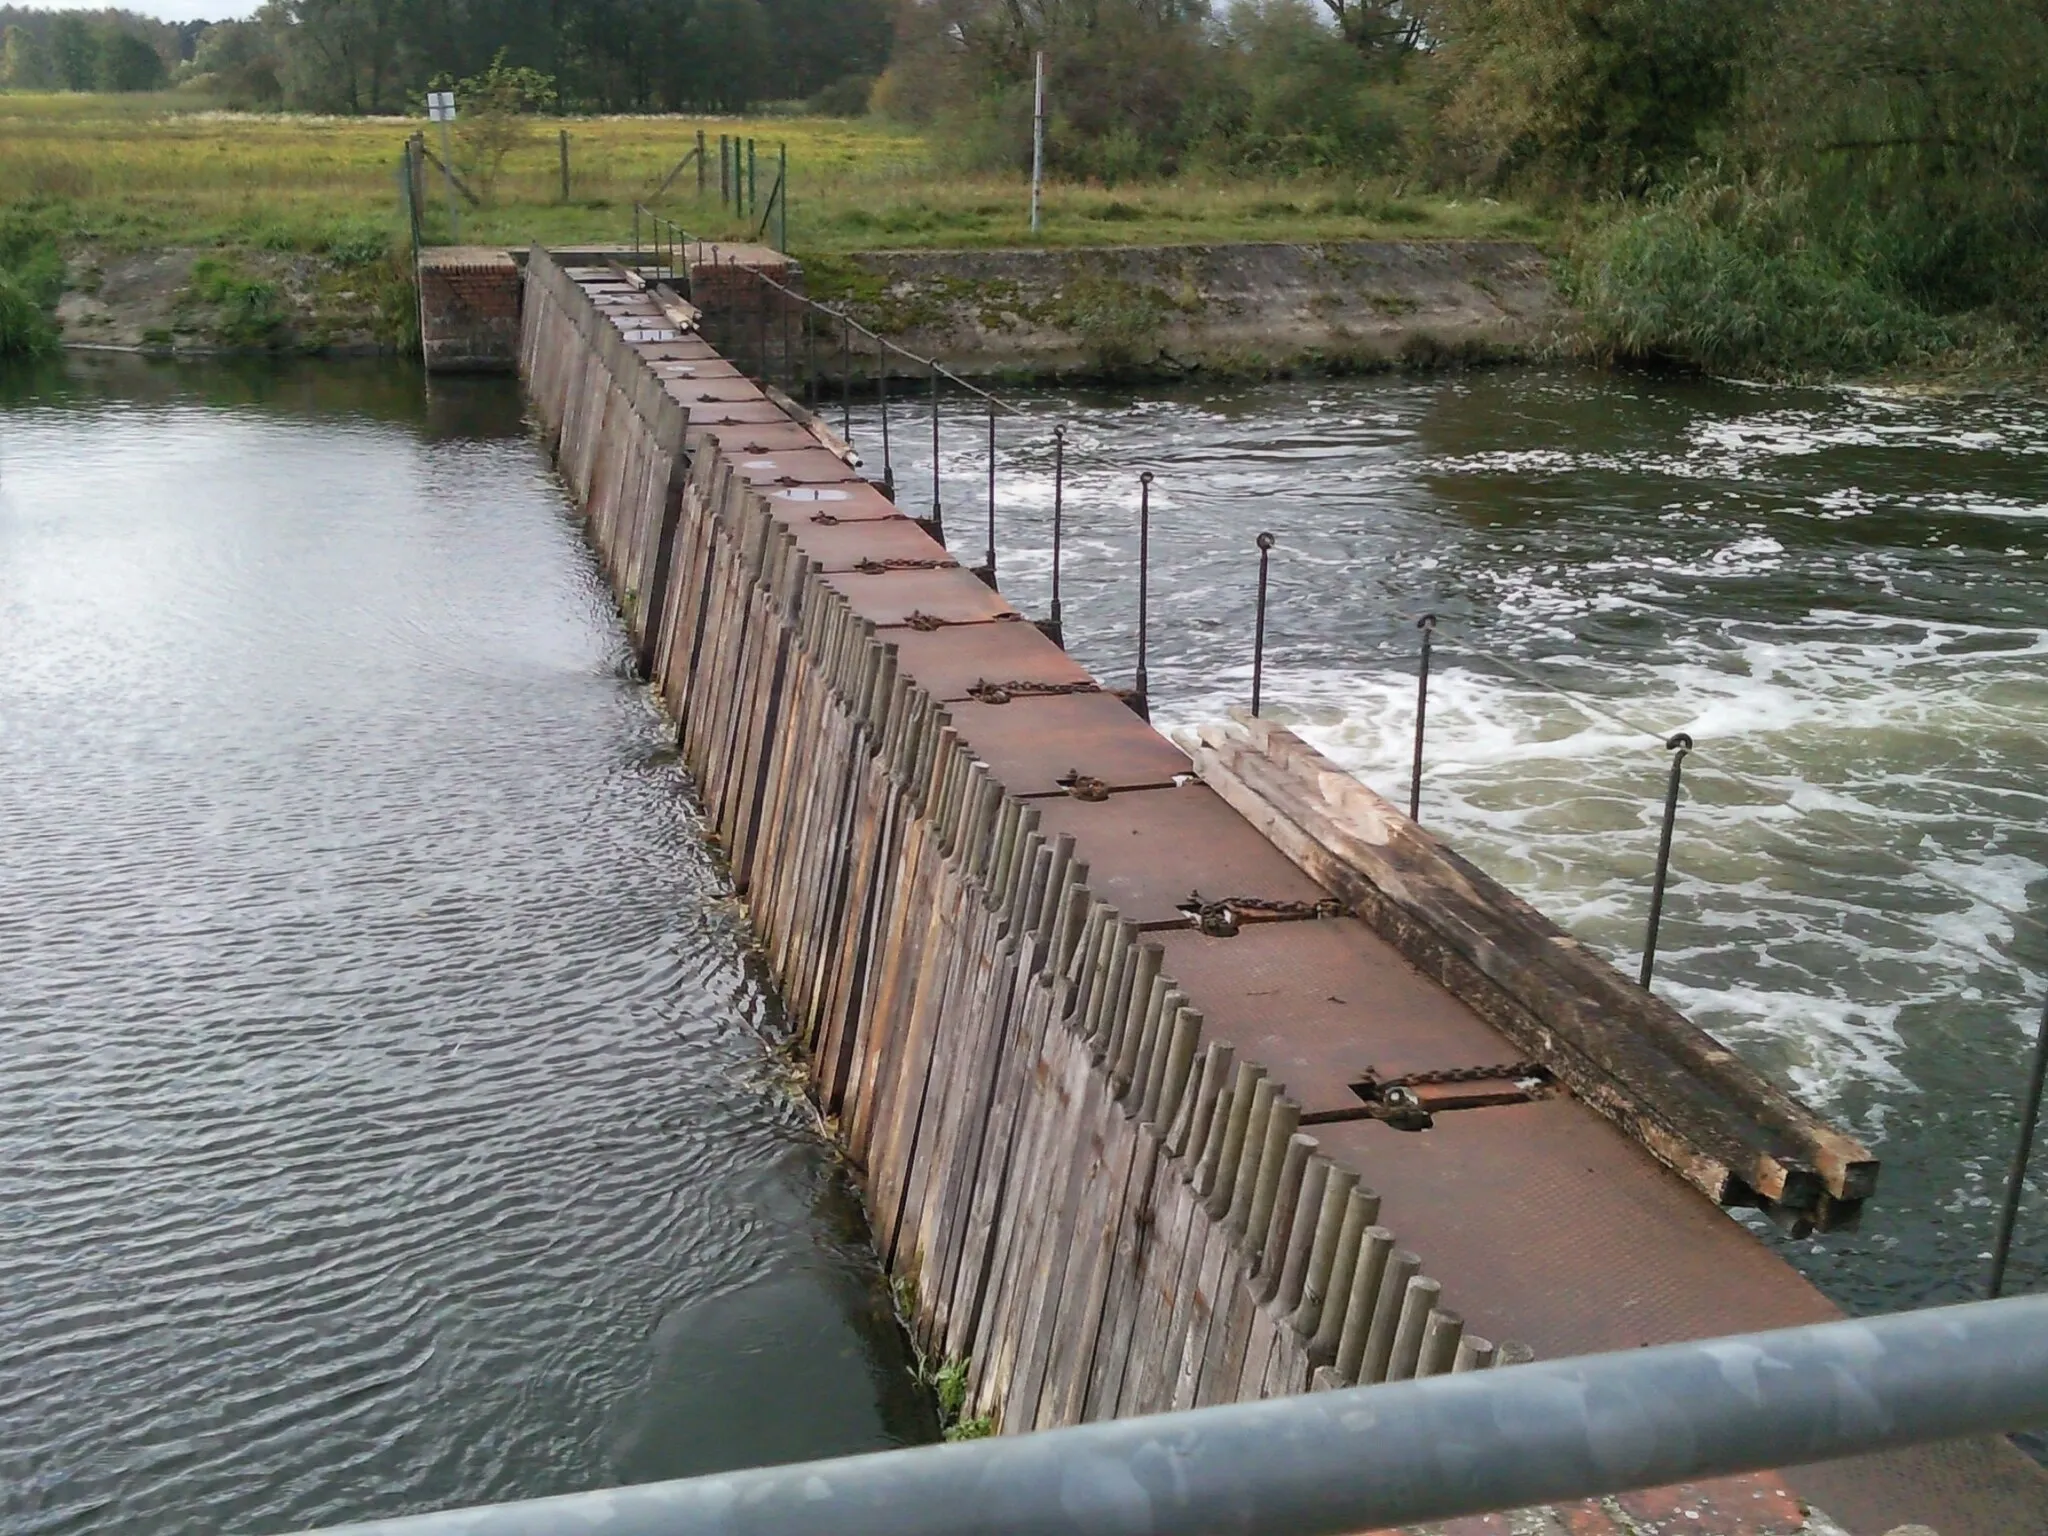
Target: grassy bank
x,y
157,170
291,208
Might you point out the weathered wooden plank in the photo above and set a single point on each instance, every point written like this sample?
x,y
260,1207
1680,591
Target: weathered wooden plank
x,y
1685,1097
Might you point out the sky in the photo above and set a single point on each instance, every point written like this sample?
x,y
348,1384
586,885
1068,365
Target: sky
x,y
167,10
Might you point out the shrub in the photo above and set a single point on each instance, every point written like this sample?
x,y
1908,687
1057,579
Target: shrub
x,y
25,329
1731,279
247,307
847,96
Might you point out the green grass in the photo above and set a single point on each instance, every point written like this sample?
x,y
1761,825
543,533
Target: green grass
x,y
146,171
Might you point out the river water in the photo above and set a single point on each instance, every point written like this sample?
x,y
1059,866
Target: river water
x,y
389,1115
388,1112
1841,595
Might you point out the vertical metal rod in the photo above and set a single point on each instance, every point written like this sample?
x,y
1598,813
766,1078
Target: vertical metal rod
x,y
991,493
724,172
1265,543
882,393
2022,1154
761,321
703,170
1678,745
811,356
1427,624
1059,491
753,187
782,199
1142,681
1037,135
565,164
846,381
636,236
935,441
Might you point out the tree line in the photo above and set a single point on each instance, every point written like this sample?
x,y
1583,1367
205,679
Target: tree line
x,y
1789,183
376,56
91,50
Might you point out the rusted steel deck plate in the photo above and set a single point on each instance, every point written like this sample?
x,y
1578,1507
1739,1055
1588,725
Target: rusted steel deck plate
x,y
685,349
843,546
1549,1226
705,368
948,662
1033,740
737,413
750,439
696,392
800,466
822,506
1958,1488
1148,849
953,596
1320,1004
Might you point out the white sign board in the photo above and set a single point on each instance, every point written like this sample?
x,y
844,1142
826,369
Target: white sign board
x,y
441,106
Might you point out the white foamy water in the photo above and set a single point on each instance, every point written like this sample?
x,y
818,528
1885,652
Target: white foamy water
x,y
1839,594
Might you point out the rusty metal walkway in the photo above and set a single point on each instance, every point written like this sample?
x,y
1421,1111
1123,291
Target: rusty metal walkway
x,y
1553,1226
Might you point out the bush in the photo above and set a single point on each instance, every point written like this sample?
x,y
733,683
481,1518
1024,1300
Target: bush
x,y
1731,280
248,311
1305,99
31,280
25,329
845,97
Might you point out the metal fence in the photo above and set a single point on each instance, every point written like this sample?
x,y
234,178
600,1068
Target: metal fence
x,y
1373,1458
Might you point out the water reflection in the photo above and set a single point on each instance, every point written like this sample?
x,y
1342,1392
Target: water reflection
x,y
385,1121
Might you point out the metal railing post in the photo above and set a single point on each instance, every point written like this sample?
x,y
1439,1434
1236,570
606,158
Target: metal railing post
x,y
703,170
1059,495
1427,624
882,395
936,521
1678,745
1265,542
1142,682
991,492
2022,1154
846,379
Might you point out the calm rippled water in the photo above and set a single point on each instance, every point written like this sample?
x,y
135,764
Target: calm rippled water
x,y
1841,594
387,1116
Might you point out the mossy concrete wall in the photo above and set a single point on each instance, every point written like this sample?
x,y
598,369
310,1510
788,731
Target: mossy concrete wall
x,y
1167,310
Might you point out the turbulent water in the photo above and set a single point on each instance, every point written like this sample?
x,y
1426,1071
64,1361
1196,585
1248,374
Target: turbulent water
x,y
1840,595
387,1116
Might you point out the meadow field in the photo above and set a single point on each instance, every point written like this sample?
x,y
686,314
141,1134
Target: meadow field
x,y
133,172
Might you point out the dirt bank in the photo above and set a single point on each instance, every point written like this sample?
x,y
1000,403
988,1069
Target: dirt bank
x,y
1227,308
180,301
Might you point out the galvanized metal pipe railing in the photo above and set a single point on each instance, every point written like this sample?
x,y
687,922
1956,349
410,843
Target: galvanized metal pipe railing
x,y
1379,1457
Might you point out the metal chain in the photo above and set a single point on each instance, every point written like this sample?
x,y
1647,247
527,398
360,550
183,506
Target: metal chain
x,y
873,567
917,619
1221,919
1001,693
1509,1070
1083,786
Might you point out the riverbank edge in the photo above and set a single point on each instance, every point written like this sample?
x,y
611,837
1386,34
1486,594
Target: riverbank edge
x,y
1125,313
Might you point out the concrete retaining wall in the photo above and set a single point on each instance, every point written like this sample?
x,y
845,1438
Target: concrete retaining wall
x,y
1163,310
469,309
